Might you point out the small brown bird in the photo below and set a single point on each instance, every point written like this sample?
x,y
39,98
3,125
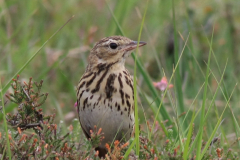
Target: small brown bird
x,y
105,91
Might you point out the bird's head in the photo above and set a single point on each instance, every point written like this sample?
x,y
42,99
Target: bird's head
x,y
112,49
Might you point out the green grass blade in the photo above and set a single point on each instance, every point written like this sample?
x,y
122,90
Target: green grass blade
x,y
33,56
5,122
200,89
129,149
189,136
215,94
178,81
3,154
216,127
199,143
205,118
235,123
212,103
226,96
135,86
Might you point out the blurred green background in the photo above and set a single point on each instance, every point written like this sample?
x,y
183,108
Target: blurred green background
x,y
25,25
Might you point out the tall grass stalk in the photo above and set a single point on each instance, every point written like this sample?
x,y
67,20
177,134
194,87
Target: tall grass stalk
x,y
216,127
5,122
135,86
199,141
194,100
211,105
178,78
189,136
129,149
224,92
226,96
215,95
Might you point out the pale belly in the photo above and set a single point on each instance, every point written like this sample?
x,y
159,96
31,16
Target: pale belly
x,y
115,123
113,112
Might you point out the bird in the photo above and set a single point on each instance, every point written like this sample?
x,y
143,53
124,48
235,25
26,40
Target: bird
x,y
105,95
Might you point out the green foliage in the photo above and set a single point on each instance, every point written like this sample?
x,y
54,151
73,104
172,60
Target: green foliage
x,y
35,135
25,28
46,140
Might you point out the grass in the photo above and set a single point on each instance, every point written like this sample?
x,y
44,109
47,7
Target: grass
x,y
33,56
188,110
5,122
135,86
199,140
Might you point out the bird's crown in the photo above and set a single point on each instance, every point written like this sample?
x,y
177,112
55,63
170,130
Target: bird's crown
x,y
112,50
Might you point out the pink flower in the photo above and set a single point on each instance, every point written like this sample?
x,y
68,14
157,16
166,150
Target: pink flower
x,y
75,104
162,85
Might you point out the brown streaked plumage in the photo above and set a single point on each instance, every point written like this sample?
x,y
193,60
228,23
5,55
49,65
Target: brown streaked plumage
x,y
105,91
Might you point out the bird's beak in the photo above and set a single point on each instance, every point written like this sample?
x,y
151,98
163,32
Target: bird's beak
x,y
132,45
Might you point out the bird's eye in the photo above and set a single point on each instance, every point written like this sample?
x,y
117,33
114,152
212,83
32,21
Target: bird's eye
x,y
113,45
